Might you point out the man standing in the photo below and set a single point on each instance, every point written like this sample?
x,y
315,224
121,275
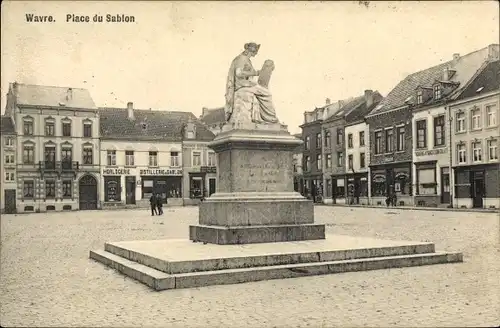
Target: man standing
x,y
159,204
152,203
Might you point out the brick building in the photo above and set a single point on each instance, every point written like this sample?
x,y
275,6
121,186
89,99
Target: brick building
x,y
475,140
8,156
57,140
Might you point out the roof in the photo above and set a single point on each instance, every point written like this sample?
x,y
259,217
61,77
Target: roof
x,y
487,80
465,67
355,108
42,95
7,125
149,125
214,116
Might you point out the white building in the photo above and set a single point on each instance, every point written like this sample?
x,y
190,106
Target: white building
x,y
8,156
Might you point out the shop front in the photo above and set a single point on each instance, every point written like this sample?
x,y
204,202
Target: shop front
x,y
166,182
389,180
357,188
339,190
476,186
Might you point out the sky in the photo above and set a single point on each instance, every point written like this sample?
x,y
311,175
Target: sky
x,y
176,55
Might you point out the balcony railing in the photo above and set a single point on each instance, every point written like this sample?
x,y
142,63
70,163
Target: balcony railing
x,y
58,166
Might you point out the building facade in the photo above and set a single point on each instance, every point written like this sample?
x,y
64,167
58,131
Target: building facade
x,y
431,124
58,140
142,154
298,181
8,156
475,140
357,148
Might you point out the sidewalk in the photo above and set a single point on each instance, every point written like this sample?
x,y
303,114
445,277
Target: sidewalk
x,y
421,208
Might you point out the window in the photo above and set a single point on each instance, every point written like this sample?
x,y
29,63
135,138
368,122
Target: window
x,y
9,141
378,142
307,143
307,163
349,141
28,153
28,189
340,188
462,153
492,150
50,129
153,158
328,138
437,92
362,160
9,176
66,188
350,161
111,157
475,119
340,137
196,158
129,158
9,159
439,131
28,127
491,115
66,129
318,140
328,161
422,134
211,159
174,158
389,140
362,138
66,157
400,142
50,189
318,162
87,130
426,181
340,159
477,155
460,122
50,156
88,156
420,97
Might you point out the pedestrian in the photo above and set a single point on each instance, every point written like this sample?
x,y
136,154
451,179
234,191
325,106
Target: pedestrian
x,y
159,204
152,203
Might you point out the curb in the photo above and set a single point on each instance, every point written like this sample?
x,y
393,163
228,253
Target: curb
x,y
466,210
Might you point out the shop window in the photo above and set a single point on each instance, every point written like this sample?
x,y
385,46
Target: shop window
x,y
340,189
426,184
379,188
112,189
402,184
196,187
167,187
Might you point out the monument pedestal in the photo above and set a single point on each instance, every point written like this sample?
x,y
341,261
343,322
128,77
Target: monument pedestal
x,y
255,201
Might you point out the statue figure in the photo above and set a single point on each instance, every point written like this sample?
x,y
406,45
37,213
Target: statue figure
x,y
246,99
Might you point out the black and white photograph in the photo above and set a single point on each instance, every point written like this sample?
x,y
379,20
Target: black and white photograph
x,y
250,164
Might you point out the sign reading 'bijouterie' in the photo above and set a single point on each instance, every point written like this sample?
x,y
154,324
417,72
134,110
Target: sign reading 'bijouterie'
x,y
160,172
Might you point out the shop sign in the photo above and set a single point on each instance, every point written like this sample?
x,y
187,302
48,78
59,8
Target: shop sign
x,y
208,169
388,159
116,171
431,152
154,172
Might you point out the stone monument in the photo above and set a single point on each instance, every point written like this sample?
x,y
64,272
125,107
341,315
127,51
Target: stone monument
x,y
255,227
255,201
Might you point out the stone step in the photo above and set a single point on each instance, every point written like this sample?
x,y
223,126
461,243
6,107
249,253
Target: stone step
x,y
196,257
158,280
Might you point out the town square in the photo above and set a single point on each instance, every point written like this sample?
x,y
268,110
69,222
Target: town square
x,y
152,179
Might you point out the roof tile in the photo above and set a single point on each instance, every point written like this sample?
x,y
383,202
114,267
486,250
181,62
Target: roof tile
x,y
41,95
7,125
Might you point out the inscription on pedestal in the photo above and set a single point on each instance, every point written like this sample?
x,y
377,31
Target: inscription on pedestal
x,y
262,173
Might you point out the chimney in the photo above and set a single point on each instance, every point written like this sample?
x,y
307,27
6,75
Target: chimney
x,y
328,101
341,104
130,110
369,98
204,111
446,74
69,94
493,52
456,57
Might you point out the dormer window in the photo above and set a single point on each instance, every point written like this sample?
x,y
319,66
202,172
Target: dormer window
x,y
420,97
437,92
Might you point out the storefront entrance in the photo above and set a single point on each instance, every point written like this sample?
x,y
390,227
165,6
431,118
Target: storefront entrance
x,y
87,188
478,188
130,189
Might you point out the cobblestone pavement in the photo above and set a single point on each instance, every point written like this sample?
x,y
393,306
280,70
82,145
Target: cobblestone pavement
x,y
48,280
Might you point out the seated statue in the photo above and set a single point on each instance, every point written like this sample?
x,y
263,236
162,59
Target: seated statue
x,y
247,100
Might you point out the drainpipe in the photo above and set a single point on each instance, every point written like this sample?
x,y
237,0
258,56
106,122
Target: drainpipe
x,y
450,154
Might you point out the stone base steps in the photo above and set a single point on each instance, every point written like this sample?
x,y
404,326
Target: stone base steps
x,y
162,265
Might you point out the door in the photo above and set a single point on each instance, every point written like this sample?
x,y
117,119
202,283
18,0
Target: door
x,y
211,186
478,189
87,189
130,190
445,186
357,191
10,201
